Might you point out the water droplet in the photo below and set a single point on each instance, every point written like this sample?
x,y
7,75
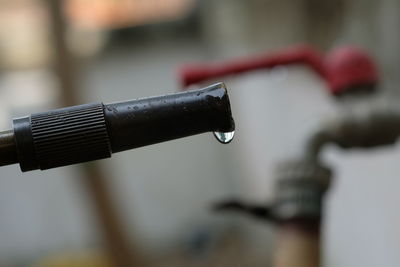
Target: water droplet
x,y
224,138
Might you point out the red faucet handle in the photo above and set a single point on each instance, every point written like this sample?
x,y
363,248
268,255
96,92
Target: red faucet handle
x,y
196,73
350,69
346,70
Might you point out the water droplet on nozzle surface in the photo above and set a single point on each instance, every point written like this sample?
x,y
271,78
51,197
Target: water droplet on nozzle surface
x,y
224,138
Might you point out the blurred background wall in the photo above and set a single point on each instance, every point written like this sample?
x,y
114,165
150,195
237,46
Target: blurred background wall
x,y
164,192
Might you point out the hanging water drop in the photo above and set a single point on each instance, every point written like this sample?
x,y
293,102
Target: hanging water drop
x,y
224,138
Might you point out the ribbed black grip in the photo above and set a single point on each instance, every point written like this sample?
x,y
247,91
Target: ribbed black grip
x,y
70,135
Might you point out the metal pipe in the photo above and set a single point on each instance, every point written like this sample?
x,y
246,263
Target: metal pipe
x,y
373,129
315,143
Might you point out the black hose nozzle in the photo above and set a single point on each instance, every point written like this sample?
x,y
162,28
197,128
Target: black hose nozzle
x,y
94,131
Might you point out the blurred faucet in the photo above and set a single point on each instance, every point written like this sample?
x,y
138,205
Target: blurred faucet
x,y
94,131
301,185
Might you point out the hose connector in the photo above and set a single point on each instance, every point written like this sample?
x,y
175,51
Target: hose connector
x,y
94,131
